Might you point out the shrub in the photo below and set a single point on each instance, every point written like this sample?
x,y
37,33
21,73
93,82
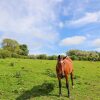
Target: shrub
x,y
32,57
53,57
41,56
12,64
4,53
14,55
74,57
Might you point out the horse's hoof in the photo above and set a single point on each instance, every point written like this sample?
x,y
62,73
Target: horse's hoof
x,y
69,97
60,95
73,86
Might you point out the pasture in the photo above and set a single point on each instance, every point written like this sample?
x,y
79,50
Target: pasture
x,y
27,79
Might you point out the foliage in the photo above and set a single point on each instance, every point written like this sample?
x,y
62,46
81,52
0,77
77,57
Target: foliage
x,y
32,57
11,48
53,57
84,55
10,45
41,56
4,53
24,49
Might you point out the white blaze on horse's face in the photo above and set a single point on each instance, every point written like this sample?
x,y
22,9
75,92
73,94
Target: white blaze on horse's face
x,y
61,61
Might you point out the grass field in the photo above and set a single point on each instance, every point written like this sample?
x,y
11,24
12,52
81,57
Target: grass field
x,y
25,79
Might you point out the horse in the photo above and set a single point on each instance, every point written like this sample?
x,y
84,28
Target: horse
x,y
64,67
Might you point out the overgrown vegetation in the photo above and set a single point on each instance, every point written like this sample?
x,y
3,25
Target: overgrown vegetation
x,y
84,55
43,56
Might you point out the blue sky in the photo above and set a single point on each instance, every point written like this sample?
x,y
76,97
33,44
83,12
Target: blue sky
x,y
51,26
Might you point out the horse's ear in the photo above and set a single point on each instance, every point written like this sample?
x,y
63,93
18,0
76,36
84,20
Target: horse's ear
x,y
59,57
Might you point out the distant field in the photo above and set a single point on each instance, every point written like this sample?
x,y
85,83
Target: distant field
x,y
25,79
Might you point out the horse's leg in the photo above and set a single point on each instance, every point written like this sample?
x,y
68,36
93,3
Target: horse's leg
x,y
72,78
59,79
67,85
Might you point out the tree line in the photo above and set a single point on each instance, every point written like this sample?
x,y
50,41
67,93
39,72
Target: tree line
x,y
11,48
84,55
43,56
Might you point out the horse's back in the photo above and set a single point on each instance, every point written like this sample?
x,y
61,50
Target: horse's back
x,y
68,66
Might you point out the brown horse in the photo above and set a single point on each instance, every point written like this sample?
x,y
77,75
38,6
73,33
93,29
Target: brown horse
x,y
64,67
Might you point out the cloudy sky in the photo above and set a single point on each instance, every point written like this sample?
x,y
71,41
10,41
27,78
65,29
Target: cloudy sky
x,y
51,26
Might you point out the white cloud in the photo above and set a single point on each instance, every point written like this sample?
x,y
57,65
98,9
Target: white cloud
x,y
97,49
61,24
30,21
75,40
74,7
96,42
37,22
30,14
88,18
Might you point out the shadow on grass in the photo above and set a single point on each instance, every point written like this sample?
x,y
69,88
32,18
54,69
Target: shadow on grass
x,y
50,73
36,91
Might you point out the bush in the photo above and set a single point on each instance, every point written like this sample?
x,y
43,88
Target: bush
x,y
41,56
23,57
74,57
14,55
84,55
32,57
4,53
53,57
12,64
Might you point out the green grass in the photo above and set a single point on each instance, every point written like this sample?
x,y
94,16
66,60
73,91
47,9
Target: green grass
x,y
25,79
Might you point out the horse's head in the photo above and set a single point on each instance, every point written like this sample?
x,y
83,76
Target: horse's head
x,y
60,60
60,66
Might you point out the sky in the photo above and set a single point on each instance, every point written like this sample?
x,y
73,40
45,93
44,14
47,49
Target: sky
x,y
51,26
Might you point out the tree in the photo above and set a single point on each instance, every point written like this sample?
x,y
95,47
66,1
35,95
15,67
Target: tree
x,y
10,45
41,56
14,47
24,50
84,55
53,57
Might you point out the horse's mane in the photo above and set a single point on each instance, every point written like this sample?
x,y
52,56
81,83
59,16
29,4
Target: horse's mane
x,y
64,57
60,57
